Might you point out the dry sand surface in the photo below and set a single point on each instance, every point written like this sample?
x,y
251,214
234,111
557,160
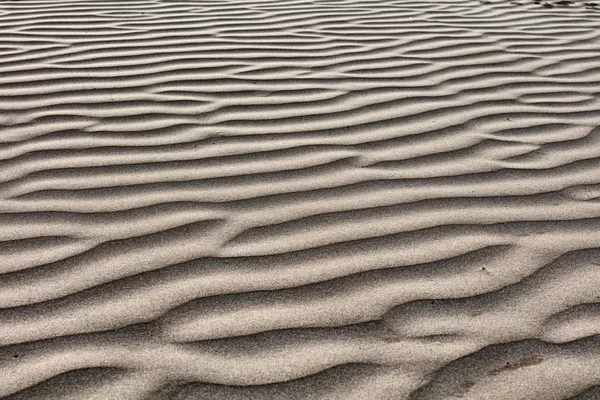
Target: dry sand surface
x,y
299,199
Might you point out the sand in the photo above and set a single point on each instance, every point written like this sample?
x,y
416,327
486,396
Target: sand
x,y
299,199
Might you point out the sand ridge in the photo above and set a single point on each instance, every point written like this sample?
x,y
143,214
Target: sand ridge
x,y
299,199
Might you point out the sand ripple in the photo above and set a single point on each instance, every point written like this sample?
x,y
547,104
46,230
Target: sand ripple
x,y
299,199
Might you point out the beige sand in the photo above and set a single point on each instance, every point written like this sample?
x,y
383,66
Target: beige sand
x,y
299,199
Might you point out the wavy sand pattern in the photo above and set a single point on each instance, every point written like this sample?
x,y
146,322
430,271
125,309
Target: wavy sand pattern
x,y
294,199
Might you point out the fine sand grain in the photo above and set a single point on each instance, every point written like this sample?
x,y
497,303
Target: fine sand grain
x,y
299,199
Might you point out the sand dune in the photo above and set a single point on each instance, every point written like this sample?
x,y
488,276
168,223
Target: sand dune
x,y
299,199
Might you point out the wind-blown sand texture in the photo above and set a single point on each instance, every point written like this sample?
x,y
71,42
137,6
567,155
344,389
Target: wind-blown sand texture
x,y
299,199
